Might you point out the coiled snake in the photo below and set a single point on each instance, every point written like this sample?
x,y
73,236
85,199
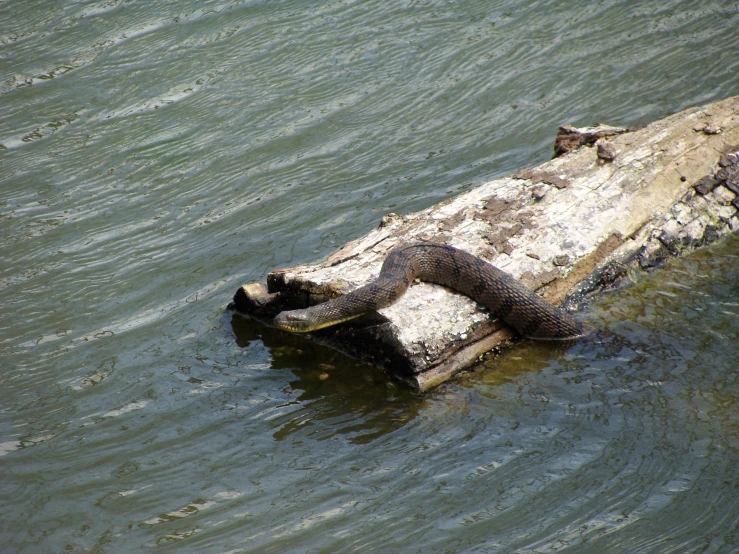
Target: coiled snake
x,y
528,313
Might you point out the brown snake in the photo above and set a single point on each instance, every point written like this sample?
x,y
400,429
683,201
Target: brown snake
x,y
528,313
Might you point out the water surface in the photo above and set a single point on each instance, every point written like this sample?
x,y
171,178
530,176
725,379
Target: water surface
x,y
156,155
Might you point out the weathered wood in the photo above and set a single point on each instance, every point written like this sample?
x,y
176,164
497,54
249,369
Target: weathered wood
x,y
571,225
571,138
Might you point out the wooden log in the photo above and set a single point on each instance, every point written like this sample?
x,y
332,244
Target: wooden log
x,y
625,200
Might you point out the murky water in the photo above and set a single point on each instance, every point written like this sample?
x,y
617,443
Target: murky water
x,y
156,155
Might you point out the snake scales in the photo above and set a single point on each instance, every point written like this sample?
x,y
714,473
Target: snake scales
x,y
528,313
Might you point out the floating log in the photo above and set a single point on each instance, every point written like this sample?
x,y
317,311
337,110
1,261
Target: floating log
x,y
613,200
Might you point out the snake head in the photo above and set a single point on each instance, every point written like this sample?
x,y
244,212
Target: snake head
x,y
309,319
294,321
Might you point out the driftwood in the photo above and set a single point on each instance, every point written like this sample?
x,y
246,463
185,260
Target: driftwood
x,y
623,199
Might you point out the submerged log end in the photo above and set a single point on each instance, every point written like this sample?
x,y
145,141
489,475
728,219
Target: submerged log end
x,y
255,299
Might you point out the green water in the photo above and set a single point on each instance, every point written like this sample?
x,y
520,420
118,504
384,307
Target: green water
x,y
156,155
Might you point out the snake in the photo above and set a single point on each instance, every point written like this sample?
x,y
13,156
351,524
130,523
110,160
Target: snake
x,y
497,291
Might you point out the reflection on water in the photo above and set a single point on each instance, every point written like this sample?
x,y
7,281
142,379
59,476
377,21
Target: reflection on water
x,y
336,394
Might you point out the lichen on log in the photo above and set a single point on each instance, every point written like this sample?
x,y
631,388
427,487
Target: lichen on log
x,y
625,198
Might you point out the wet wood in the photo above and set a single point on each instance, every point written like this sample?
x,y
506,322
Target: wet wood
x,y
623,200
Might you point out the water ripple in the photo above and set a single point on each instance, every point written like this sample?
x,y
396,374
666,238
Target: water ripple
x,y
157,155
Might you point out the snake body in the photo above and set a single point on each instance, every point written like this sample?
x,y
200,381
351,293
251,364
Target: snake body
x,y
505,298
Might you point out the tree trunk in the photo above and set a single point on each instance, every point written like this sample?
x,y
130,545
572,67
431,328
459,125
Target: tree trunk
x,y
623,199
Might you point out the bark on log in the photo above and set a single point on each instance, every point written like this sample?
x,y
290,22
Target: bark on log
x,y
626,199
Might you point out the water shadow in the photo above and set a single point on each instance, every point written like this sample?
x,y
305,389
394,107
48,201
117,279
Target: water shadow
x,y
344,396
